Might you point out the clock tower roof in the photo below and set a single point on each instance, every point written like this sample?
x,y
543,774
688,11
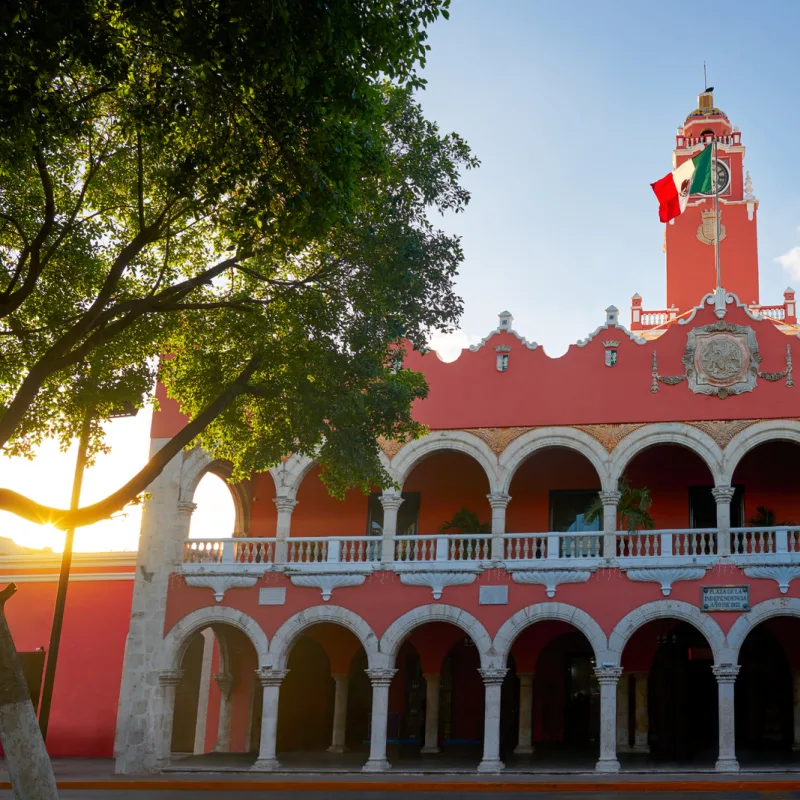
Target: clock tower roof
x,y
707,113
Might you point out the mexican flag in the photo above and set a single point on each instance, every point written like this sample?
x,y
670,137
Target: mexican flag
x,y
691,177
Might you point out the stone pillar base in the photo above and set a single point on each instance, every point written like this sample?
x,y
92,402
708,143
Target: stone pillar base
x,y
491,766
727,765
430,750
337,748
266,765
376,765
607,765
524,749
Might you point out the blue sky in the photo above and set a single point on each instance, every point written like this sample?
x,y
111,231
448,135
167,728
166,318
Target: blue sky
x,y
572,108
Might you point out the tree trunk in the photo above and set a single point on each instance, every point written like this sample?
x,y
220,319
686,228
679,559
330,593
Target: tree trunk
x,y
28,763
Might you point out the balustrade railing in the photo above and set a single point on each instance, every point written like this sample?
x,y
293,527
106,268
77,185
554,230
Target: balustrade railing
x,y
534,546
778,540
229,551
334,550
674,543
444,547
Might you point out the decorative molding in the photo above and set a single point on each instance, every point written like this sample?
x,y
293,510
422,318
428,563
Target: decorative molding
x,y
787,373
721,359
668,380
219,583
79,577
391,502
327,582
498,439
725,673
122,558
549,578
498,499
493,676
610,435
224,681
666,576
270,676
284,503
608,674
610,343
610,498
391,447
620,329
170,677
380,676
438,581
185,507
504,326
722,431
782,574
723,494
503,348
707,231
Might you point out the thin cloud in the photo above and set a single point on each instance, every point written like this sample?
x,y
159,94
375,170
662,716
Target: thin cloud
x,y
790,261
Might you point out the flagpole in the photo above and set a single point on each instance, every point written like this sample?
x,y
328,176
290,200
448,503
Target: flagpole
x,y
716,210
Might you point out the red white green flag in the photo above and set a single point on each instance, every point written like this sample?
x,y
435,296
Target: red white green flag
x,y
691,177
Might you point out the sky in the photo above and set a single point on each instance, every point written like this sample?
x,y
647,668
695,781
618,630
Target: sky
x,y
572,107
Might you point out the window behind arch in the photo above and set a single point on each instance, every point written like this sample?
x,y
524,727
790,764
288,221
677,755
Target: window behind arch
x,y
407,515
215,515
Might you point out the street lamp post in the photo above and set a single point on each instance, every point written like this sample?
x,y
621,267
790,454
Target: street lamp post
x,y
128,410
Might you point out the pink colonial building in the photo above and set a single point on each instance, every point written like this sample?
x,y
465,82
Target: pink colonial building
x,y
366,631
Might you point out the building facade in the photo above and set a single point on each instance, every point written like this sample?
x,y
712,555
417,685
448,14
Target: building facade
x,y
500,606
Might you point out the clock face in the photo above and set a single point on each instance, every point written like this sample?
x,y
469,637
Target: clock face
x,y
723,177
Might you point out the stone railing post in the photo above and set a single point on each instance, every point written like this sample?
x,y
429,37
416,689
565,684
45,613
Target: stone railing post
x,y
641,713
342,683
168,680
285,506
610,501
380,678
723,495
493,683
499,502
431,713
224,681
271,680
525,740
607,677
726,678
391,502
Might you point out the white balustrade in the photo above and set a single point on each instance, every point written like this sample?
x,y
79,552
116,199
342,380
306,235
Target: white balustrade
x,y
334,549
764,541
229,550
552,545
444,547
671,543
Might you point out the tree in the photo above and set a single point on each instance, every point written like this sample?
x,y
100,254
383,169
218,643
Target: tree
x,y
633,508
245,187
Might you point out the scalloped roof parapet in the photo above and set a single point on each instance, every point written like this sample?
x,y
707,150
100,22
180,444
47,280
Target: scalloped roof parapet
x,y
504,326
617,328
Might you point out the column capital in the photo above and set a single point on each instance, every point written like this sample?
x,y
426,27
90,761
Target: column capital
x,y
224,681
170,677
391,502
610,498
723,494
380,676
607,675
493,676
725,673
498,499
284,503
185,507
268,676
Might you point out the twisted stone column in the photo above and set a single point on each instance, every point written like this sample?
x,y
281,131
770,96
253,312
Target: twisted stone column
x,y
726,678
381,679
270,680
723,495
525,740
499,502
431,713
224,681
342,682
493,683
607,677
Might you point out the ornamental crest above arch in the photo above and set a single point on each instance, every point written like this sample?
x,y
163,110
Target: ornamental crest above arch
x,y
722,359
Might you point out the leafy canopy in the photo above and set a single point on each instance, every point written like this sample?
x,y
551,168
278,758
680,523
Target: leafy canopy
x,y
245,186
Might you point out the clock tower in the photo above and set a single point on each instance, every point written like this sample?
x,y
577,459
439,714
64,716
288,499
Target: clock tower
x,y
690,238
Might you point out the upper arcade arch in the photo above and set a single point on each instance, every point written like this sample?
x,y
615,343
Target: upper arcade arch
x,y
784,430
677,433
541,438
401,628
667,609
530,615
777,607
291,630
177,639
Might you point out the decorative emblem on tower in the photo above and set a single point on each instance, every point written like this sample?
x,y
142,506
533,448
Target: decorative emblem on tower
x,y
611,351
722,359
707,232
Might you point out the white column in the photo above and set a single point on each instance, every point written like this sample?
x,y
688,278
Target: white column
x,y
525,741
285,506
610,500
623,745
431,713
342,683
202,696
499,502
168,680
391,502
723,495
642,713
271,680
493,684
381,679
726,678
607,677
224,681
796,705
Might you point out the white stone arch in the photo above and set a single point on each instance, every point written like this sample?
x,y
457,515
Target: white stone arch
x,y
196,464
413,453
777,607
785,430
667,433
403,626
288,633
177,639
541,612
667,609
526,445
